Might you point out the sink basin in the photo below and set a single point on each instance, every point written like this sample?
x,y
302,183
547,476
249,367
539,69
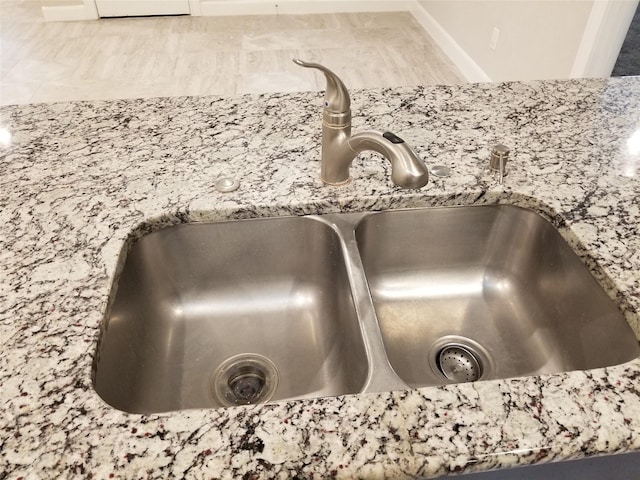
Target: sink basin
x,y
201,308
252,311
470,293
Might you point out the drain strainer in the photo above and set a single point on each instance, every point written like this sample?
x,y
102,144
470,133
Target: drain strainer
x,y
458,364
244,379
456,359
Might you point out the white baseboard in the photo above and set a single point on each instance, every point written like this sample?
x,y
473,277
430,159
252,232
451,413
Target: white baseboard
x,y
288,7
61,13
196,9
461,59
133,8
88,11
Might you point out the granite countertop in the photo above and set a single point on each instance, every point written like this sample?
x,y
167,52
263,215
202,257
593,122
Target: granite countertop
x,y
78,178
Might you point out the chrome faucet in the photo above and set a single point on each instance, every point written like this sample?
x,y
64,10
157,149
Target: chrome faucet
x,y
339,147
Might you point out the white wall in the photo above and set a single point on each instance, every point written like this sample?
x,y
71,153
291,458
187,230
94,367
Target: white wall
x,y
539,39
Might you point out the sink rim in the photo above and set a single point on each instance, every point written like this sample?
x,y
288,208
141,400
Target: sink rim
x,y
381,376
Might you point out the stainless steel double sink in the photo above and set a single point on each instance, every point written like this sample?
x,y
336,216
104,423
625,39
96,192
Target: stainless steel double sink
x,y
249,311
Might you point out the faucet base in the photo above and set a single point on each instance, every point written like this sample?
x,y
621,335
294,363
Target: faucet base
x,y
336,184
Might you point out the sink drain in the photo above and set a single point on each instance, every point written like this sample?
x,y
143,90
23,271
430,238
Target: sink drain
x,y
456,359
458,364
244,379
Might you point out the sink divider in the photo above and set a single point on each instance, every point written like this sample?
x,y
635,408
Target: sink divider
x,y
381,377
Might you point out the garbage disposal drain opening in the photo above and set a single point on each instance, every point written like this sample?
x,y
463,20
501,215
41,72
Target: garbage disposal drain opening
x,y
244,379
457,359
247,385
459,364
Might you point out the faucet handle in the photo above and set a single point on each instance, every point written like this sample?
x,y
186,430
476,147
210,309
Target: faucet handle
x,y
336,98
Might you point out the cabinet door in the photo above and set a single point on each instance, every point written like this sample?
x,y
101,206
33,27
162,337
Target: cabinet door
x,y
128,8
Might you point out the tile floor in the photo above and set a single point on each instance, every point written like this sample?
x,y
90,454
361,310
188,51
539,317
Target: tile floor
x,y
166,56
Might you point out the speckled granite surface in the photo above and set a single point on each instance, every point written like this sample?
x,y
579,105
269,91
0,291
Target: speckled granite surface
x,y
78,178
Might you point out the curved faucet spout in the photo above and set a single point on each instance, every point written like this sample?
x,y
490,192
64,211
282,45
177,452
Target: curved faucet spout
x,y
407,170
336,99
339,148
